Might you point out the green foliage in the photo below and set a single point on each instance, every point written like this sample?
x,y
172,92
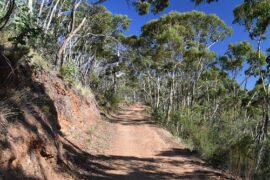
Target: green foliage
x,y
230,147
159,116
264,169
68,71
236,55
45,109
112,100
95,80
144,6
25,28
181,35
254,15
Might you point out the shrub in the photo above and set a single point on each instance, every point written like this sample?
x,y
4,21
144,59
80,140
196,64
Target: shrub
x,y
68,71
220,140
26,28
112,100
115,99
85,90
38,61
159,116
45,109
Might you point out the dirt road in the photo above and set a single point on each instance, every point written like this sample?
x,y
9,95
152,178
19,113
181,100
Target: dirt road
x,y
140,150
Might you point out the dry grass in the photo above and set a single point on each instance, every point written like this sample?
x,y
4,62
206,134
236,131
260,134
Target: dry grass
x,y
85,91
5,110
38,61
5,113
18,97
8,108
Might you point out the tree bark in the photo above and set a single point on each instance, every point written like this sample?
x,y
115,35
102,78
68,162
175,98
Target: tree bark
x,y
60,56
41,8
30,5
170,104
51,16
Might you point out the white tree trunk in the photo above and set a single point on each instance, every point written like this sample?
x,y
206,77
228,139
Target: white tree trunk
x,y
30,5
41,8
51,16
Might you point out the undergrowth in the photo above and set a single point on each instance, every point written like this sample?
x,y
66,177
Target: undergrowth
x,y
222,145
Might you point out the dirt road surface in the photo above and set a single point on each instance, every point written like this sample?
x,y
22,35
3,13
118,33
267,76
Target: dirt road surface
x,y
139,150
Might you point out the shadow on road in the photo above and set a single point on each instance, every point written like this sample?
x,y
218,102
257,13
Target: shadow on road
x,y
126,117
164,165
177,152
83,165
135,122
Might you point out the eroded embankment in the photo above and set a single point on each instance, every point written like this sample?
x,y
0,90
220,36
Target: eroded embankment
x,y
42,119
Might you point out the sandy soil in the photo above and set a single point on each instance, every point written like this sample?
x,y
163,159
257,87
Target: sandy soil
x,y
141,150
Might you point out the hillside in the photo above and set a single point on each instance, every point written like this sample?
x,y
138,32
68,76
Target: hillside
x,y
42,121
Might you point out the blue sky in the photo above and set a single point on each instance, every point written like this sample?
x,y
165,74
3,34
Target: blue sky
x,y
223,9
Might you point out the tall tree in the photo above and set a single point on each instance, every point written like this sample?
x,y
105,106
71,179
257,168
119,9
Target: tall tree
x,y
254,16
176,43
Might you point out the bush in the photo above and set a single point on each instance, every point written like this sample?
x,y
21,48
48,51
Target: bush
x,y
68,71
112,100
222,144
26,28
115,99
39,62
159,116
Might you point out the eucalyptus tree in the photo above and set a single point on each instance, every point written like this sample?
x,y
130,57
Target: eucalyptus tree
x,y
72,30
232,62
99,42
254,16
178,45
234,59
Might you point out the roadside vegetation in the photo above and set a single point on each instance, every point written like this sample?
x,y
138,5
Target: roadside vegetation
x,y
171,67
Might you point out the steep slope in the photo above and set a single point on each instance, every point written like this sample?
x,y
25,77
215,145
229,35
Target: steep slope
x,y
42,120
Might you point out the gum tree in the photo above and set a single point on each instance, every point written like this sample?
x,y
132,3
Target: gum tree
x,y
254,15
177,47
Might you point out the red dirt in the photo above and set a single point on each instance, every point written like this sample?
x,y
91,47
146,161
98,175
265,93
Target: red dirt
x,y
51,113
48,114
141,150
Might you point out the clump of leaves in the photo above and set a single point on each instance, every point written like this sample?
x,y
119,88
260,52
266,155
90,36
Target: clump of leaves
x,y
45,109
112,100
25,28
142,7
68,71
